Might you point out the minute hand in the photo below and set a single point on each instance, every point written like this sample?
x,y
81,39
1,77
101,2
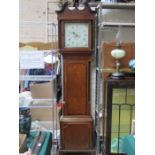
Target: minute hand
x,y
76,35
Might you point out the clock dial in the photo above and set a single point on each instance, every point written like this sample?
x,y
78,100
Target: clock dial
x,y
76,35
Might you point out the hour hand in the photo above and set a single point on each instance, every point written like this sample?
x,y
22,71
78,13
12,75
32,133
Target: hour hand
x,y
75,34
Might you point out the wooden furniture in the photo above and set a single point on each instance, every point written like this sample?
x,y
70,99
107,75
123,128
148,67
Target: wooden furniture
x,y
120,110
76,132
76,85
76,43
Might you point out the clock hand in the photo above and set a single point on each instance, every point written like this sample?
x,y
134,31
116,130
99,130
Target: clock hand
x,y
76,35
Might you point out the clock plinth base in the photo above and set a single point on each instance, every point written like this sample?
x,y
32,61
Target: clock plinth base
x,y
77,152
76,132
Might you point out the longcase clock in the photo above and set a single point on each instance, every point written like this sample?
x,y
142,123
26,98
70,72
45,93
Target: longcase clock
x,y
76,43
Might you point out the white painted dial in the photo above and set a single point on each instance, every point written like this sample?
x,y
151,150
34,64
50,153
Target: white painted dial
x,y
76,35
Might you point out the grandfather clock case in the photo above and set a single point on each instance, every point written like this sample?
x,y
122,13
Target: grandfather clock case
x,y
76,44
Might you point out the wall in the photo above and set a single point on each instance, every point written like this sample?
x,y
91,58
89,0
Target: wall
x,y
34,19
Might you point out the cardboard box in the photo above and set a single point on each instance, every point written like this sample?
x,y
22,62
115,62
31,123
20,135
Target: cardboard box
x,y
109,62
22,143
46,115
45,90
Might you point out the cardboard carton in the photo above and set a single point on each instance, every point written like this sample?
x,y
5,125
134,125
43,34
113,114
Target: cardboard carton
x,y
44,90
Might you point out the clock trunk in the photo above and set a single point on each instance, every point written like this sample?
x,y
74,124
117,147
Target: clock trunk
x,y
76,86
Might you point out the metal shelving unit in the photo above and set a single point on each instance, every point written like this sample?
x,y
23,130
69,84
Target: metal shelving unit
x,y
112,5
49,26
37,77
115,24
43,103
100,25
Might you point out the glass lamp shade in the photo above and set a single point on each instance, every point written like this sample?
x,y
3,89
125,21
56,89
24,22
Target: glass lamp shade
x,y
118,53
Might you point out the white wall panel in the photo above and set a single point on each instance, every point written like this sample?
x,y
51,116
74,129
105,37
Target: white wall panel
x,y
33,20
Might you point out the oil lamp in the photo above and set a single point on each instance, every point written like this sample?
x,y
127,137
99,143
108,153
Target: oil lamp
x,y
118,53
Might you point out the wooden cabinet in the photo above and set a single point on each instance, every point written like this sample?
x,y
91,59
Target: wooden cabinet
x,y
120,109
109,61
